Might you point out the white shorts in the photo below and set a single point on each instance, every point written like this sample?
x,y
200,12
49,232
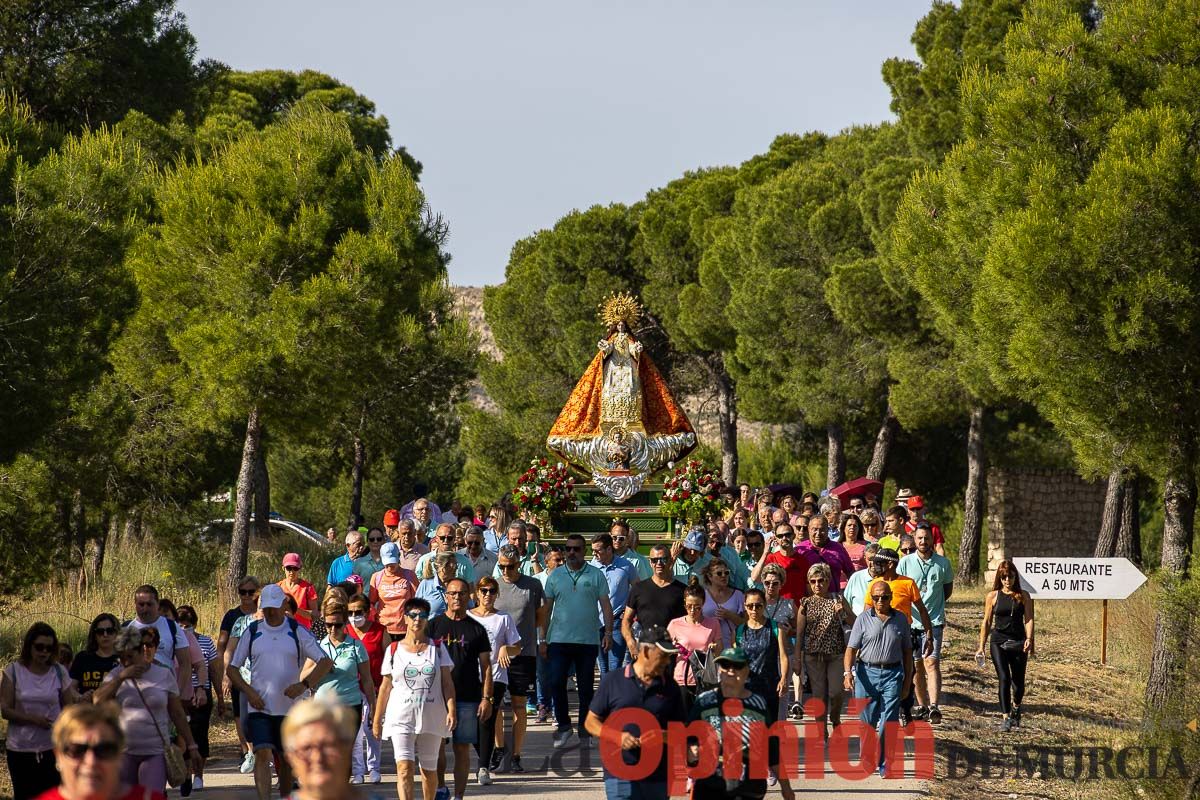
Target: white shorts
x,y
423,748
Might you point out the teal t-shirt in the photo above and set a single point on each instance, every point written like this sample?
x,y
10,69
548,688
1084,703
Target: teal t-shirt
x,y
931,578
575,595
645,569
342,680
365,567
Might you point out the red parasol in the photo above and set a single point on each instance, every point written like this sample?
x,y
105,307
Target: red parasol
x,y
858,488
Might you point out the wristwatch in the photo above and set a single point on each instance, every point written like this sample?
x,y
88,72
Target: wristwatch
x,y
491,700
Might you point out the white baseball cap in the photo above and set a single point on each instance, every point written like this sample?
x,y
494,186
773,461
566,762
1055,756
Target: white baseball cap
x,y
271,596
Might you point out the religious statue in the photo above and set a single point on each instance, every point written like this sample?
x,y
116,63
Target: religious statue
x,y
621,423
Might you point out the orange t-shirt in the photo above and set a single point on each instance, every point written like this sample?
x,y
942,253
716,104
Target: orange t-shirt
x,y
389,594
904,592
305,594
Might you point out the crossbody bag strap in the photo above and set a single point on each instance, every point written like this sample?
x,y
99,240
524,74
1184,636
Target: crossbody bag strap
x,y
151,713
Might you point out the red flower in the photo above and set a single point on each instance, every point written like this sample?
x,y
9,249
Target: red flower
x,y
686,494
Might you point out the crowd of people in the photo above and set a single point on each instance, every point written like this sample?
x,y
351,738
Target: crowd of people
x,y
431,626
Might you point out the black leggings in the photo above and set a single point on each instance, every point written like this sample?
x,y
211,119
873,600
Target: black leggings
x,y
1010,669
31,773
487,728
199,720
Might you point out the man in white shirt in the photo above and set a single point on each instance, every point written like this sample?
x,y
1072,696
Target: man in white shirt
x,y
483,561
174,650
275,648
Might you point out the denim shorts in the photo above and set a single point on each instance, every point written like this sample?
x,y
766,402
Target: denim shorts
x,y
919,643
264,730
467,729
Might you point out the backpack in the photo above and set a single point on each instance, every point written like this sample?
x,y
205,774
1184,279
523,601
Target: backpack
x,y
252,632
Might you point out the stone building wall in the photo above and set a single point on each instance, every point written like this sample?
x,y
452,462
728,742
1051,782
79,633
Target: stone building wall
x,y
1040,512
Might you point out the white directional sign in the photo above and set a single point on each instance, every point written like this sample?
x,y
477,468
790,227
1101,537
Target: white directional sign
x,y
1078,578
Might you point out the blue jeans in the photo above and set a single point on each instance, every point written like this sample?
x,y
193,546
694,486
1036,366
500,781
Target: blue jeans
x,y
617,789
614,659
882,685
562,656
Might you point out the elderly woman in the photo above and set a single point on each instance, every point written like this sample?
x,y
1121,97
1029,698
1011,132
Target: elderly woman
x,y
318,735
416,706
148,696
433,590
349,682
505,640
821,642
33,691
872,526
789,506
87,748
782,611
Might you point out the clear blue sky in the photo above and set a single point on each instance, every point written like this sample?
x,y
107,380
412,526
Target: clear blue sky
x,y
522,110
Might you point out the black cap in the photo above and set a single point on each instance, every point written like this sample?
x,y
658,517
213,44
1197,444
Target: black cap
x,y
657,636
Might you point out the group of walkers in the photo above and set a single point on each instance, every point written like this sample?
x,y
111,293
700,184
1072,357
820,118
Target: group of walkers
x,y
425,632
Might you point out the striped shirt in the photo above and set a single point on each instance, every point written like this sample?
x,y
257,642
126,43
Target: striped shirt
x,y
209,648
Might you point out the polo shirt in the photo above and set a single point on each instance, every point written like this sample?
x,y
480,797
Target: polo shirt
x,y
341,569
904,592
855,592
409,558
529,565
642,564
575,595
431,589
620,575
931,577
341,682
485,564
834,555
274,666
464,571
881,641
622,688
366,566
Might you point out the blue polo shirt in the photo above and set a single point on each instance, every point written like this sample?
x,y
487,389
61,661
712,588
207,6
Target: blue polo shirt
x,y
621,688
620,575
575,595
343,567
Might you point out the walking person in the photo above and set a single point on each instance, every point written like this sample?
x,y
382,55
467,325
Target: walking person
x,y
197,675
318,737
303,593
470,650
88,745
722,601
343,566
643,684
821,643
625,542
878,662
693,633
174,651
98,656
483,561
200,716
572,592
934,577
905,598
274,649
148,695
371,561
505,643
34,689
621,576
391,588
1008,616
523,598
375,640
416,707
247,589
656,600
783,611
349,681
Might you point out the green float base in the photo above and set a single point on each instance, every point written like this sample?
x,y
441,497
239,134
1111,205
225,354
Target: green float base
x,y
596,511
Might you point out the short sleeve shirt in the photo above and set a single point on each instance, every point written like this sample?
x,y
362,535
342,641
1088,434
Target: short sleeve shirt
x,y
416,704
501,633
931,577
305,595
275,664
880,641
575,595
621,575
164,656
465,640
621,688
88,669
341,682
521,600
904,594
656,605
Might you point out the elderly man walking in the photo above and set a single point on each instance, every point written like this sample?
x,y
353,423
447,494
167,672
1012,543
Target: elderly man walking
x,y
878,662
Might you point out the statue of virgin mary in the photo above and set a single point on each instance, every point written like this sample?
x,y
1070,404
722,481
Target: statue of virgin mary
x,y
621,423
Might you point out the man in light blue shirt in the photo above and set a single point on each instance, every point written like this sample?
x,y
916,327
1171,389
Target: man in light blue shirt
x,y
621,575
442,541
625,542
935,579
344,565
533,554
572,592
690,556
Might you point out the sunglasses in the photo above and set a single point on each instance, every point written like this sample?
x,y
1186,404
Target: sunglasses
x,y
881,598
870,524
474,544
618,538
103,751
753,606
377,539
721,574
485,590
772,583
105,631
907,549
291,569
660,560
38,647
247,592
818,580
329,624
507,567
573,548
417,615
444,538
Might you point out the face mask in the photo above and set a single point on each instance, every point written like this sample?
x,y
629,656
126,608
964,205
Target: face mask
x,y
357,620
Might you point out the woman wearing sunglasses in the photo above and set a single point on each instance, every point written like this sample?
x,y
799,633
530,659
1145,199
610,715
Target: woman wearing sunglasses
x,y
417,706
506,645
349,683
722,601
98,656
87,748
34,689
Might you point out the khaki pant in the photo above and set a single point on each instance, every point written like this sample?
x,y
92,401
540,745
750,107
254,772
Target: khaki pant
x,y
825,681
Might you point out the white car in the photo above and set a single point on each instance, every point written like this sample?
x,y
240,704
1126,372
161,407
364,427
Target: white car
x,y
222,530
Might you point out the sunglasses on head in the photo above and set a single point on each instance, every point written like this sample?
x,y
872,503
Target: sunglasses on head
x,y
103,751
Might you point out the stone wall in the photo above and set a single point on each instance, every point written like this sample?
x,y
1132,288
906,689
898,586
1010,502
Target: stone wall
x,y
1040,512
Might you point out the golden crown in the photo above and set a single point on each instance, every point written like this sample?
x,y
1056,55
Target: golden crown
x,y
623,306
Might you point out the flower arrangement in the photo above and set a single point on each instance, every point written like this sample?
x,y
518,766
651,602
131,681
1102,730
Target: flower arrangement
x,y
545,489
692,492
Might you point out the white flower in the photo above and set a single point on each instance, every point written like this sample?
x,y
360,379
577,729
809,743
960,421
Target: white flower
x,y
686,485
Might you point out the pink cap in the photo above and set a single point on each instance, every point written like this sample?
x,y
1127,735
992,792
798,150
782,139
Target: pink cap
x,y
292,560
355,579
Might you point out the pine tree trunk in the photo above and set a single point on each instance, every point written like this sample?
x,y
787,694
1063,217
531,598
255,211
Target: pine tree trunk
x,y
356,481
1110,522
98,546
835,467
883,446
239,544
79,535
727,415
262,495
133,528
976,500
1168,657
1129,540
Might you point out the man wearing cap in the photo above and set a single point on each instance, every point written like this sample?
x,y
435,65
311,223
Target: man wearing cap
x,y
390,589
935,581
443,542
391,521
690,555
344,565
878,664
572,592
643,684
274,648
916,515
410,549
904,597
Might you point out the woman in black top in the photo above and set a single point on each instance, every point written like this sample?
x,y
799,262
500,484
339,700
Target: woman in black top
x,y
1008,615
98,657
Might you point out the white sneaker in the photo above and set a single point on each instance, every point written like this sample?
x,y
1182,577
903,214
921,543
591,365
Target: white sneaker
x,y
374,777
197,783
562,737
484,777
247,764
356,779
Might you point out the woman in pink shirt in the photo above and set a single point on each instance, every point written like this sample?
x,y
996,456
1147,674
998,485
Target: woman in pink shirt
x,y
692,632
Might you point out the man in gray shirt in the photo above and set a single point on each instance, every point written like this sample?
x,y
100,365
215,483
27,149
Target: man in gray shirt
x,y
881,642
523,598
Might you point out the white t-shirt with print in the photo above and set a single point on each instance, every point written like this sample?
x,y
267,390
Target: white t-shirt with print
x,y
416,703
274,665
